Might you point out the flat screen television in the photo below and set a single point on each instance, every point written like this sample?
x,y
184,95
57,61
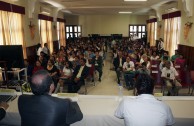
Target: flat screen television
x,y
13,55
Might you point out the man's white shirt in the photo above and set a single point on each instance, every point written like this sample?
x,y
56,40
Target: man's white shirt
x,y
144,110
172,72
128,66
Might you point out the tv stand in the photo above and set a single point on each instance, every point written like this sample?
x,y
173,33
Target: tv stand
x,y
18,71
15,83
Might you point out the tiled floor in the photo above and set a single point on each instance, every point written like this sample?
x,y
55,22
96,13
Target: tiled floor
x,y
109,86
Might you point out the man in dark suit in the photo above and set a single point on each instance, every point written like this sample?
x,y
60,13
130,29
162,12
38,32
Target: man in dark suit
x,y
41,109
77,80
97,62
118,64
3,108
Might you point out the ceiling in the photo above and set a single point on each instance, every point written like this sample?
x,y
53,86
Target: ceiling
x,y
91,7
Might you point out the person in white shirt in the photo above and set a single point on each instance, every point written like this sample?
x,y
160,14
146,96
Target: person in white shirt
x,y
128,69
146,60
113,43
66,74
162,64
154,56
143,58
160,44
45,49
145,109
39,49
170,77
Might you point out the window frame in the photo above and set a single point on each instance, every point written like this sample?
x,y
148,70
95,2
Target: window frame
x,y
137,31
74,33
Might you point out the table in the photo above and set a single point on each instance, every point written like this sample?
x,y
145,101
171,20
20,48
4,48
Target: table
x,y
99,111
17,71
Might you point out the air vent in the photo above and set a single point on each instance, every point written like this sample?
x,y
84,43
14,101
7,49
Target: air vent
x,y
45,10
72,0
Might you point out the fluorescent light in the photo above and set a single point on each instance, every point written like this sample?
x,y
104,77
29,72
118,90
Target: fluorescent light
x,y
44,12
125,12
134,0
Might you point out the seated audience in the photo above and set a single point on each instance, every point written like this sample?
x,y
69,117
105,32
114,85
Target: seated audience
x,y
66,75
143,69
71,57
97,62
41,109
145,109
43,60
180,61
128,69
175,56
170,77
118,64
165,54
154,56
28,67
37,67
162,64
76,62
77,79
53,71
3,108
143,58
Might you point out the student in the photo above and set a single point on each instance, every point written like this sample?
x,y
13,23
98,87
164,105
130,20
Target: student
x,y
77,79
97,62
128,69
175,56
118,64
145,109
170,77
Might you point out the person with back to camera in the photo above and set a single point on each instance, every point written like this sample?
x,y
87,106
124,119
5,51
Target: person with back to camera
x,y
41,109
145,109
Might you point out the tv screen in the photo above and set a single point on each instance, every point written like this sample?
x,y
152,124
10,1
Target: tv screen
x,y
13,55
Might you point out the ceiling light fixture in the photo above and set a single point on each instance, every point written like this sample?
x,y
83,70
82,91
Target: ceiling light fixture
x,y
134,0
125,12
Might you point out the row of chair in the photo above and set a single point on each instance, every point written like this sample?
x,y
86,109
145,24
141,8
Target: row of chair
x,y
186,77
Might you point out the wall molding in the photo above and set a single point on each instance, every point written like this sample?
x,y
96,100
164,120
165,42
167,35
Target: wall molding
x,y
188,7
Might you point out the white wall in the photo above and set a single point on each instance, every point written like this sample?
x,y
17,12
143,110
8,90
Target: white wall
x,y
72,19
184,20
105,24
